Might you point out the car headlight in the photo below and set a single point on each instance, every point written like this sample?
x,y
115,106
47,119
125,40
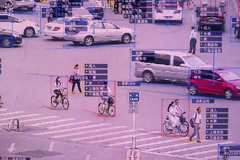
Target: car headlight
x,y
237,87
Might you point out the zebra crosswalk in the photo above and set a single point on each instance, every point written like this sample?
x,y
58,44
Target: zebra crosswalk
x,y
89,132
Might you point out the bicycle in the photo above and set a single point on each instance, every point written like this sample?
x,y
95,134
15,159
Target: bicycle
x,y
190,4
55,102
110,109
182,128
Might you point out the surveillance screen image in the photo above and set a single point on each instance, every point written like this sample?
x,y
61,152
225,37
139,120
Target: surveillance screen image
x,y
119,79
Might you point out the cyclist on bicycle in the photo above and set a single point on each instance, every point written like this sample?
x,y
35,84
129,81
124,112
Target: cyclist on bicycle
x,y
106,95
174,114
58,88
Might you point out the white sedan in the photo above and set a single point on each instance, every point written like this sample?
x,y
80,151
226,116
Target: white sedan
x,y
99,31
168,11
56,28
23,27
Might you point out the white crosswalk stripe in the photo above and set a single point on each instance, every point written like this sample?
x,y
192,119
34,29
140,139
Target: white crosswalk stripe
x,y
50,122
23,116
69,124
10,113
1,110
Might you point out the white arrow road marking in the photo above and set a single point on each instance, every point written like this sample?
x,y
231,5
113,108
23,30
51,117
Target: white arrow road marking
x,y
50,149
11,149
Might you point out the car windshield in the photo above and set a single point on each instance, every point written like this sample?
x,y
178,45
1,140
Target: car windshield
x,y
168,5
77,11
194,61
229,76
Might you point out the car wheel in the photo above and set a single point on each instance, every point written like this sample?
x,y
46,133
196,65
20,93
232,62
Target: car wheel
x,y
228,94
126,38
56,38
29,32
30,9
76,43
7,43
9,7
148,77
193,90
88,41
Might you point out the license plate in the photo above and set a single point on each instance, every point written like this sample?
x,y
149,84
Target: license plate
x,y
212,20
168,17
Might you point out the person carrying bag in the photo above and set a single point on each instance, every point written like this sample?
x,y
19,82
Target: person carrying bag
x,y
76,78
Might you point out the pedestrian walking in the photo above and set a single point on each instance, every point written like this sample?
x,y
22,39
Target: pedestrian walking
x,y
197,121
192,41
76,80
1,102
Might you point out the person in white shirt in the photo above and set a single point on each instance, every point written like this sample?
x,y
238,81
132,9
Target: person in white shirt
x,y
222,4
76,78
58,88
106,94
193,41
204,3
198,118
173,114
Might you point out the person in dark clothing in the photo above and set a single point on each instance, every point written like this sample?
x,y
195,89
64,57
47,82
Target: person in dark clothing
x,y
76,78
193,41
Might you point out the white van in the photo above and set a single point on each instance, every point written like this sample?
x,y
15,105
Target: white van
x,y
14,4
166,65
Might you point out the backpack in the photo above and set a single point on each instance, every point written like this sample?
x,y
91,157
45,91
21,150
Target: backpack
x,y
192,121
110,100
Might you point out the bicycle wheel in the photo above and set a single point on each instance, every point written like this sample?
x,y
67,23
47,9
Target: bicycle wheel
x,y
190,4
183,129
65,103
111,110
186,124
167,129
54,104
100,110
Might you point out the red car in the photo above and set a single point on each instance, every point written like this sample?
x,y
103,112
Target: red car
x,y
220,82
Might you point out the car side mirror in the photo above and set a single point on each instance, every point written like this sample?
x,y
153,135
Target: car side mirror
x,y
219,80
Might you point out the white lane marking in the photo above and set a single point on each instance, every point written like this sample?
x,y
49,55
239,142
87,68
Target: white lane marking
x,y
70,129
165,147
202,153
50,149
211,157
50,122
28,115
78,133
192,17
197,147
138,140
2,110
170,155
88,157
160,142
101,135
29,120
9,113
117,138
68,124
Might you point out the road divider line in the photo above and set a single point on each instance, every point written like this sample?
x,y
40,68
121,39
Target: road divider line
x,y
197,147
78,133
160,142
69,124
9,113
23,116
50,122
211,157
101,135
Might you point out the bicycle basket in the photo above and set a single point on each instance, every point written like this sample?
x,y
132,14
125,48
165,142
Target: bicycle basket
x,y
110,100
182,119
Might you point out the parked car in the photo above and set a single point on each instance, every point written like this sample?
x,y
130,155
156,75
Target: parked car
x,y
168,11
94,9
77,12
23,27
8,38
101,31
14,4
219,81
166,65
210,18
56,29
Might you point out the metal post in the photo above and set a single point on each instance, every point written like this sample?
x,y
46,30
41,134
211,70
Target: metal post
x,y
134,136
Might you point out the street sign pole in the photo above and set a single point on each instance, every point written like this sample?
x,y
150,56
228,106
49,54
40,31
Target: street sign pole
x,y
134,136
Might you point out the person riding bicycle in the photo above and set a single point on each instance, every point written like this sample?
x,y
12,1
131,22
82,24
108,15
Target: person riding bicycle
x,y
106,96
174,114
58,88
